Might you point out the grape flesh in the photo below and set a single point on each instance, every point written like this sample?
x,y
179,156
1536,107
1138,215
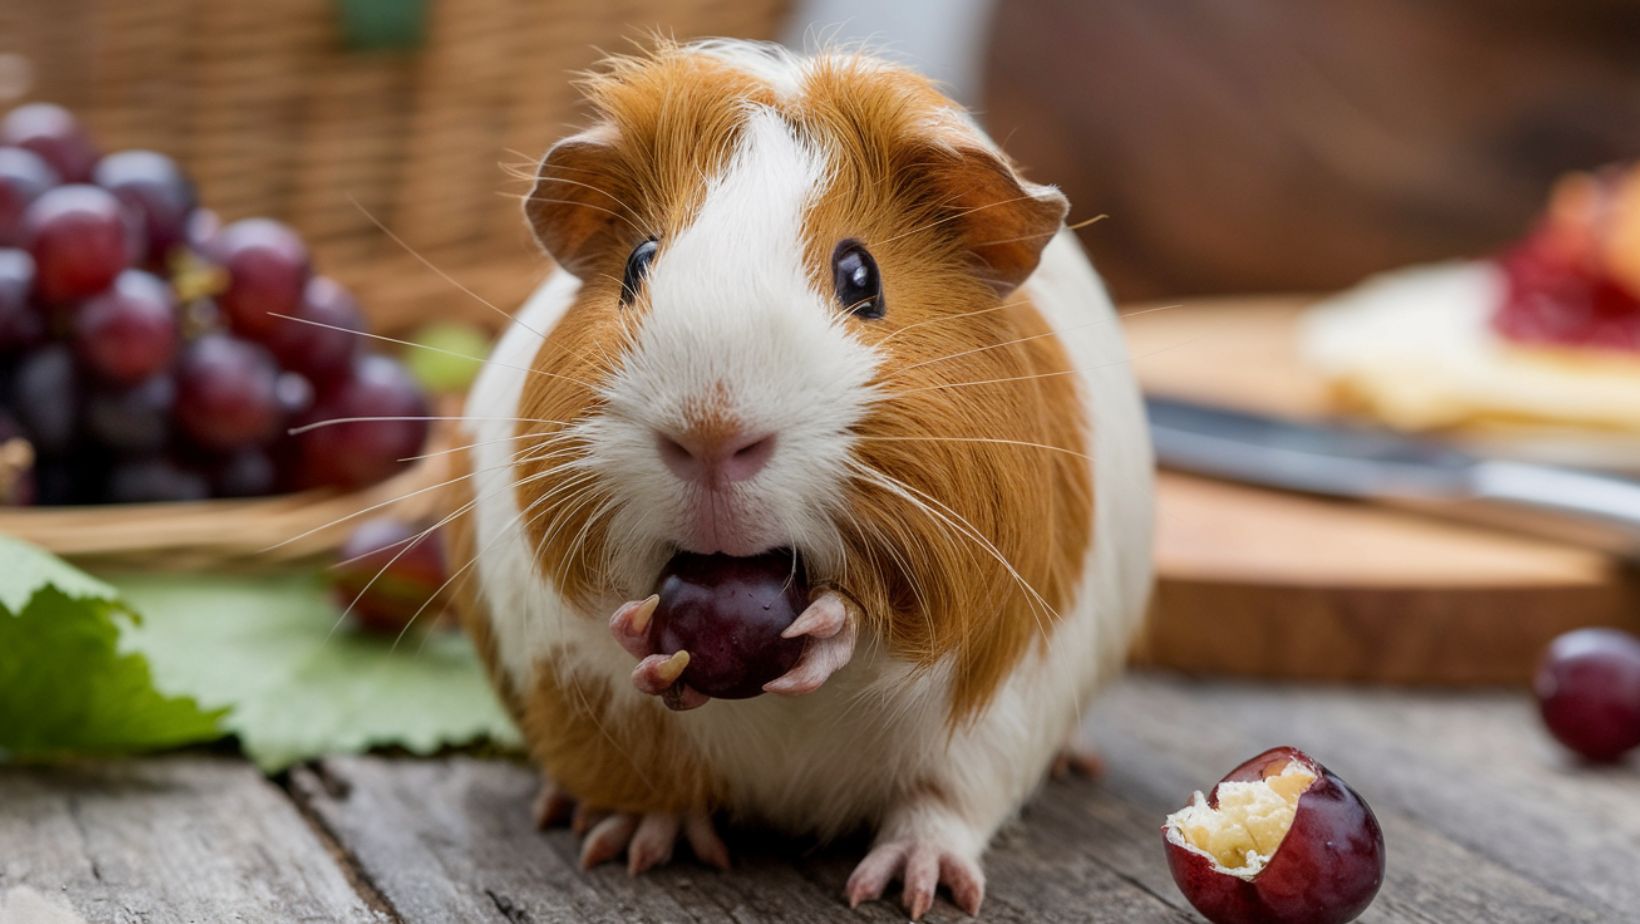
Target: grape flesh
x,y
1588,690
728,613
80,239
23,178
153,187
129,332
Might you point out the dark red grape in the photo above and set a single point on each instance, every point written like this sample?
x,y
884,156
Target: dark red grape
x,y
363,452
152,186
381,594
46,398
22,324
246,473
23,178
133,420
320,353
268,271
129,332
55,135
728,613
1280,840
155,479
80,238
227,393
17,488
1588,688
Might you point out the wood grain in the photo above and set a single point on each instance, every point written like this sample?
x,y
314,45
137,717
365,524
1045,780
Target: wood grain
x,y
1273,584
168,839
1486,822
451,840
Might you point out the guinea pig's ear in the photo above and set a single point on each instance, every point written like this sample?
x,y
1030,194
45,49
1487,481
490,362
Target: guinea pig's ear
x,y
1003,220
577,203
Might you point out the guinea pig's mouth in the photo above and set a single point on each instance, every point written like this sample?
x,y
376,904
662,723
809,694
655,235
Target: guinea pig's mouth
x,y
778,567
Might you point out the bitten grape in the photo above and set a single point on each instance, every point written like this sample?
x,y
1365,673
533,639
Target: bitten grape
x,y
80,239
227,395
384,413
152,186
130,331
268,271
23,178
55,135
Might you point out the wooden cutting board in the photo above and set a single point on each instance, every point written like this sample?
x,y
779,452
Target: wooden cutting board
x,y
1270,584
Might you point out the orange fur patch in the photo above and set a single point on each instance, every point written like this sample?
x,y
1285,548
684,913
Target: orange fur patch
x,y
968,535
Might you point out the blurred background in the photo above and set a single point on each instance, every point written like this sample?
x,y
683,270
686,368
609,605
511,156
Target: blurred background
x,y
1258,145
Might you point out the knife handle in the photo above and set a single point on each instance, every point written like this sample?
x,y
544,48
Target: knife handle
x,y
1585,507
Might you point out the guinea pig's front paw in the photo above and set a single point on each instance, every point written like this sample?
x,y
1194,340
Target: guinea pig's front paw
x,y
831,624
647,838
656,674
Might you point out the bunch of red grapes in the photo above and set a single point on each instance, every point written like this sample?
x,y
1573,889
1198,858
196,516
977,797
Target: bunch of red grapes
x,y
149,354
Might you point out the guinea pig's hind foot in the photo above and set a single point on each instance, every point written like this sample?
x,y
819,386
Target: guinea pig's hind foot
x,y
923,865
647,839
553,806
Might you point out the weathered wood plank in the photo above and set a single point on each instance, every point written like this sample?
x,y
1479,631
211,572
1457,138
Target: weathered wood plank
x,y
1484,820
451,840
184,838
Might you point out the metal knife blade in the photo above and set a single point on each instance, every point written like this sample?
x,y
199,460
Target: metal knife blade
x,y
1597,510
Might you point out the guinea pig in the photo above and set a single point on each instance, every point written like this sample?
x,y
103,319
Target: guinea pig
x,y
803,303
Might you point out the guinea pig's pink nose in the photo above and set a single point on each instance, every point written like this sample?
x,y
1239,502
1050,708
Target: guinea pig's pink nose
x,y
718,455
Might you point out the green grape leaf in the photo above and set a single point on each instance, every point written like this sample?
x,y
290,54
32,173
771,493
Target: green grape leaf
x,y
67,684
300,685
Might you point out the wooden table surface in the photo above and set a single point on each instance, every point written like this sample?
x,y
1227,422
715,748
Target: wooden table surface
x,y
1485,821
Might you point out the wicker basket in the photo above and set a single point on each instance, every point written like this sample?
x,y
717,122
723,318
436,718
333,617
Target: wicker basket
x,y
275,112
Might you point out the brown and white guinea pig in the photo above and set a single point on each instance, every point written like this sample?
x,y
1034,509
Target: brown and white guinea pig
x,y
803,302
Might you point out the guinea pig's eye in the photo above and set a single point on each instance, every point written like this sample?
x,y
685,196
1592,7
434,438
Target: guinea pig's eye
x,y
859,285
637,266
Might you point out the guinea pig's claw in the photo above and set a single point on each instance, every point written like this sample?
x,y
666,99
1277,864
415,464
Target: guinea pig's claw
x,y
648,839
657,675
922,867
831,624
630,625
552,806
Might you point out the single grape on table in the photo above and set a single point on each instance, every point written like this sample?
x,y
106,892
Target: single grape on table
x,y
143,356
